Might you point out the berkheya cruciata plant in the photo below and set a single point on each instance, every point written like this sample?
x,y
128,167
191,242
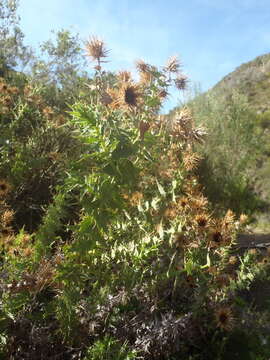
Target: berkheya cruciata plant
x,y
131,259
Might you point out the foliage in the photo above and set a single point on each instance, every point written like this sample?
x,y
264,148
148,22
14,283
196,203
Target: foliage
x,y
12,50
60,70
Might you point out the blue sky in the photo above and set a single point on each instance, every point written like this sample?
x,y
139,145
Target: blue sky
x,y
211,37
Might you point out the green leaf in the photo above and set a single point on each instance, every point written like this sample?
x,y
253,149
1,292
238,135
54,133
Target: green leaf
x,y
161,189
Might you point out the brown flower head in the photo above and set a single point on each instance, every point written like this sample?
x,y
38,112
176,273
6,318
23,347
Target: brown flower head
x,y
142,66
124,76
216,238
6,231
95,49
229,219
265,261
3,86
181,82
199,202
173,64
135,198
128,96
4,188
6,100
191,160
243,219
202,220
13,90
224,318
48,112
7,217
162,94
183,202
233,260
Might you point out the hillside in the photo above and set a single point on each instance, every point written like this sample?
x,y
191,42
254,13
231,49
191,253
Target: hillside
x,y
235,168
251,79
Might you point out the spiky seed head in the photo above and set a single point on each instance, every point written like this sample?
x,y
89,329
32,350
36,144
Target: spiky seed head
x,y
191,160
181,82
130,95
173,64
142,66
127,96
162,94
95,49
265,261
7,217
224,318
124,76
233,260
243,219
135,198
6,231
202,220
3,85
229,218
4,188
217,237
183,202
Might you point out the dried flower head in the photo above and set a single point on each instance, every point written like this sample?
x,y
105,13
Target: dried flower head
x,y
162,94
135,198
198,202
6,231
173,64
3,86
4,188
233,260
13,90
28,251
265,261
7,217
202,220
7,101
224,318
142,66
229,219
183,202
243,219
127,96
182,124
48,112
95,49
124,76
181,81
216,238
191,160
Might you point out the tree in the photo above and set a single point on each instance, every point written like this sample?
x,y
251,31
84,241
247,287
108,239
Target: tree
x,y
13,52
60,71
